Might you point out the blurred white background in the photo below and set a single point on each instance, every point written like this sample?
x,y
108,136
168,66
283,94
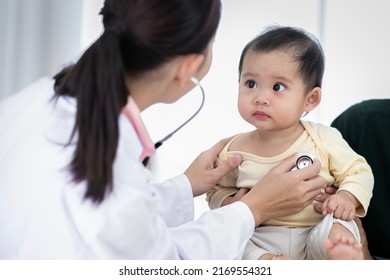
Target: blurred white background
x,y
39,37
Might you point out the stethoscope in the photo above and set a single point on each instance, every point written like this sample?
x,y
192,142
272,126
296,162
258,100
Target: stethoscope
x,y
160,142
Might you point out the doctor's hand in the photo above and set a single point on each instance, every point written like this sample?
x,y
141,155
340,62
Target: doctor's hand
x,y
202,174
282,192
329,190
363,238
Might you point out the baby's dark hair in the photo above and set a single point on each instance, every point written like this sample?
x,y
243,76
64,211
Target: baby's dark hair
x,y
303,46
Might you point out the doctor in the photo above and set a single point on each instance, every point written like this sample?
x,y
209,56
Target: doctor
x,y
72,183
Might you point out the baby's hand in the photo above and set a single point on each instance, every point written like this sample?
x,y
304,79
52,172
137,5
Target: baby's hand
x,y
342,204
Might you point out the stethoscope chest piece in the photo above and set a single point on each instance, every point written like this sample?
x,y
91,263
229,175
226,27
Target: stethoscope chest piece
x,y
304,160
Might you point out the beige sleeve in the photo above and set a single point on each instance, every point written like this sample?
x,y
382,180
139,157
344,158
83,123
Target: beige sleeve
x,y
225,187
351,171
218,194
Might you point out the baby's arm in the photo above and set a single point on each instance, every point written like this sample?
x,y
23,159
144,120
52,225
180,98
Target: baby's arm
x,y
226,187
236,197
220,195
343,205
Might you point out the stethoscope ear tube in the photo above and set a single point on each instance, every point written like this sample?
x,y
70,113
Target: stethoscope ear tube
x,y
159,143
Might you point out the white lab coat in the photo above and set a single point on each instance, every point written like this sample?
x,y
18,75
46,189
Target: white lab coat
x,y
43,215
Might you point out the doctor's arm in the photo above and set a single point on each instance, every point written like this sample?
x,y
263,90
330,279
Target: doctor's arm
x,y
279,193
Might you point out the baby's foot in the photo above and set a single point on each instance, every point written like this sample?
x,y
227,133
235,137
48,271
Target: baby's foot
x,y
344,249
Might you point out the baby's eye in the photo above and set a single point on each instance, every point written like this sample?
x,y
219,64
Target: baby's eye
x,y
278,87
251,84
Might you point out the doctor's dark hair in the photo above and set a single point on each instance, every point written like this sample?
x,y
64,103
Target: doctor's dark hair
x,y
303,47
138,36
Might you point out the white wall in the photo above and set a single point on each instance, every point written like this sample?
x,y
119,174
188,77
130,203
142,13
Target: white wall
x,y
37,38
357,45
91,22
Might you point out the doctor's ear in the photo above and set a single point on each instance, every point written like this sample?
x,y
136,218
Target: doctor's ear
x,y
313,99
188,67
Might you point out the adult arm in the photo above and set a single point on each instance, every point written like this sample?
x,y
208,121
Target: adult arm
x,y
129,223
282,193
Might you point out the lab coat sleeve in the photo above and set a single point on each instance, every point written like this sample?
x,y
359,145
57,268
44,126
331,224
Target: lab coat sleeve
x,y
175,201
218,234
127,225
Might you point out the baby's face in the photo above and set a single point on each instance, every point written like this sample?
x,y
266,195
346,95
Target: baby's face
x,y
271,91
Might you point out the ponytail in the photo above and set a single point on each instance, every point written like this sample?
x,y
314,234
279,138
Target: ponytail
x,y
97,82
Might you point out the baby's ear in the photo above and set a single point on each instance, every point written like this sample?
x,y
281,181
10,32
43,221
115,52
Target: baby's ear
x,y
313,98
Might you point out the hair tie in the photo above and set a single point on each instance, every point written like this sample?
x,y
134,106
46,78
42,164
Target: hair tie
x,y
111,22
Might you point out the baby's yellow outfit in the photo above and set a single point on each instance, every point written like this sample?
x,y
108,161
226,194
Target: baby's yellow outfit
x,y
341,166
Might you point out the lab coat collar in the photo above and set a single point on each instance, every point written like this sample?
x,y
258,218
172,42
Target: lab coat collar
x,y
133,114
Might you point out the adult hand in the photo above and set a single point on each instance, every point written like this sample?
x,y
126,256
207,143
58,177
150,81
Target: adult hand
x,y
202,173
363,239
329,190
283,192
